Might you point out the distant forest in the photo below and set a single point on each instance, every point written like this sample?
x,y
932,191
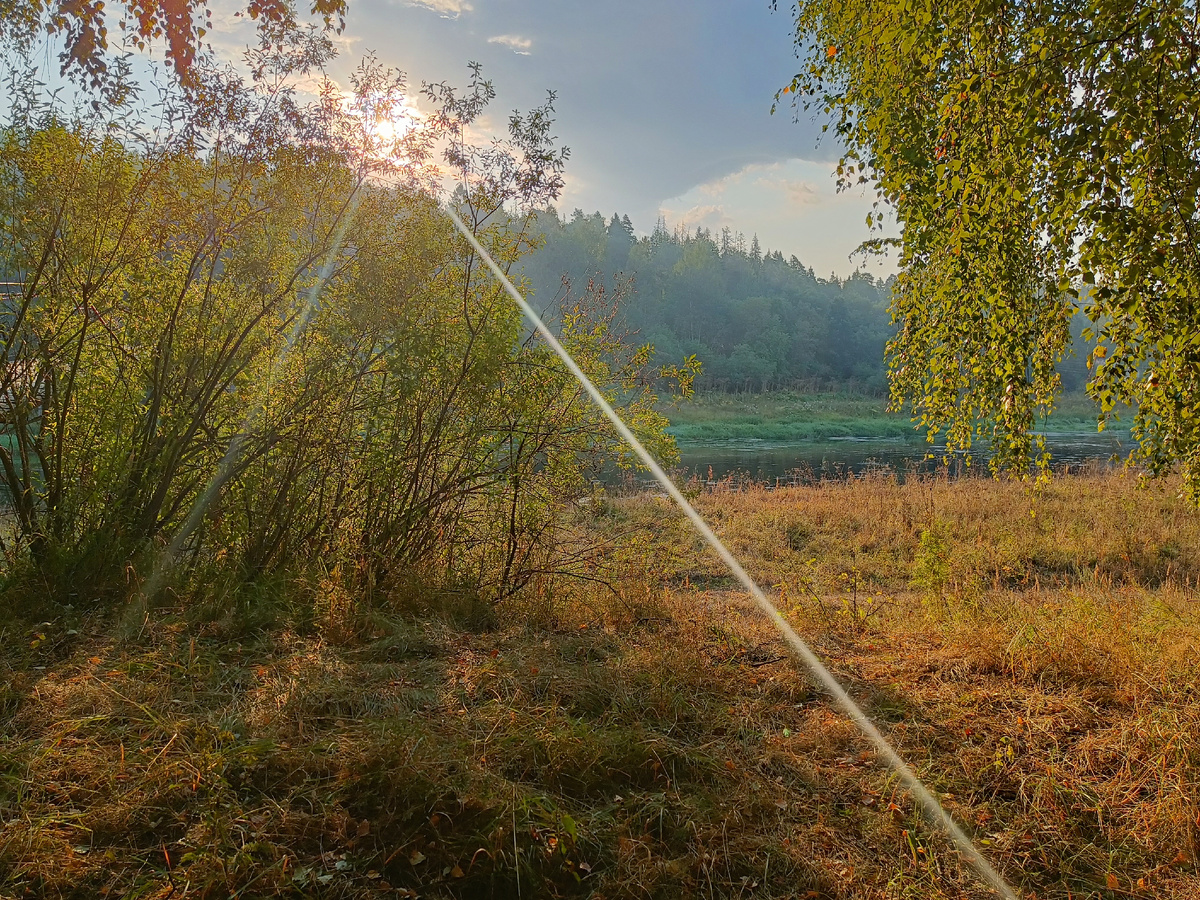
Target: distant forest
x,y
756,320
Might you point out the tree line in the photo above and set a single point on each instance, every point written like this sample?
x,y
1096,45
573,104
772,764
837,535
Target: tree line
x,y
755,320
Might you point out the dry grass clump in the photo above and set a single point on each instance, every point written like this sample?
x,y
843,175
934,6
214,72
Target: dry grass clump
x,y
652,740
1081,529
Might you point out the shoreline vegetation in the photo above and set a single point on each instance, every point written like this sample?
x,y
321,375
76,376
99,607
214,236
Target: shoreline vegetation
x,y
813,417
1033,654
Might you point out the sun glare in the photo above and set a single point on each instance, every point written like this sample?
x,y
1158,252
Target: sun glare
x,y
393,123
387,123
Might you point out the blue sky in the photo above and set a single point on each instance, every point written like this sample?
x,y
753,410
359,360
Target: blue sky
x,y
665,105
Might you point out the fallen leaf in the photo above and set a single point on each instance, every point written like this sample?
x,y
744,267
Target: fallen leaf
x,y
364,828
457,872
416,857
1112,881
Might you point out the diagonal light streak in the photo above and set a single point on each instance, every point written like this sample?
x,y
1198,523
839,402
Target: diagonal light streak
x,y
929,804
165,564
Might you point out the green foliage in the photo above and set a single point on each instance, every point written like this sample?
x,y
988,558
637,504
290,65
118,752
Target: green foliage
x,y
1041,159
931,567
260,313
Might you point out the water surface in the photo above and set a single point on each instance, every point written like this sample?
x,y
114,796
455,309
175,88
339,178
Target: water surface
x,y
838,457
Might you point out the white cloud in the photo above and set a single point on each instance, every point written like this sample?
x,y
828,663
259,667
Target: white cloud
x,y
447,9
771,183
704,215
793,206
717,187
513,42
797,191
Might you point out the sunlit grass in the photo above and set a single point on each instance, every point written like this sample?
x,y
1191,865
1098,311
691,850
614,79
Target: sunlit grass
x,y
1034,655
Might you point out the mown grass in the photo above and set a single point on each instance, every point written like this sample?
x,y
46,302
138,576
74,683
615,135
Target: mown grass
x,y
1034,656
795,417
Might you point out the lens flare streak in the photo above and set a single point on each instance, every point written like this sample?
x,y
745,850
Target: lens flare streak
x,y
929,804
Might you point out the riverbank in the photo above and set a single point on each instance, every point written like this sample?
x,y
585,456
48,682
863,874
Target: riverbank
x,y
793,417
644,734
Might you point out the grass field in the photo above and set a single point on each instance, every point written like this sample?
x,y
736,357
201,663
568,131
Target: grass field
x,y
786,416
1035,657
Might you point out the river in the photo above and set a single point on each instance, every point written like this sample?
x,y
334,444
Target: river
x,y
838,457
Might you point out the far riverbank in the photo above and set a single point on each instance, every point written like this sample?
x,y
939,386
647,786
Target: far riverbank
x,y
771,436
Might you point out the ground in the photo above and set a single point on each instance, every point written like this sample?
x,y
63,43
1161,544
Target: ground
x,y
1034,655
802,417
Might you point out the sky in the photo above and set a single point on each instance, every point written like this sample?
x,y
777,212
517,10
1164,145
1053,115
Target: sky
x,y
664,104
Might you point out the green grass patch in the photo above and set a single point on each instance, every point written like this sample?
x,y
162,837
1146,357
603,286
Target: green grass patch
x,y
792,417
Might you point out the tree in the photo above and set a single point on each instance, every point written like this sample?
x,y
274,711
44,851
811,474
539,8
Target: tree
x,y
180,25
1042,159
695,293
247,331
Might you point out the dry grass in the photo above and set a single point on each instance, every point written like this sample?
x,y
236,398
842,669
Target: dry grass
x,y
1041,674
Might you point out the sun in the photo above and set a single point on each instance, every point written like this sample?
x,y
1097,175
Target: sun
x,y
398,120
389,124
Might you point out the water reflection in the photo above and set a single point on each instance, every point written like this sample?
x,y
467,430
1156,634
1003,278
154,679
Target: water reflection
x,y
764,461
